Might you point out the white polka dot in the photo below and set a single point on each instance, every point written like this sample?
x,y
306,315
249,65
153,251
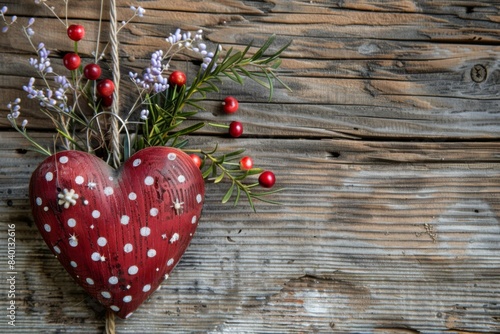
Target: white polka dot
x,y
49,176
114,308
129,315
145,231
153,212
146,288
151,253
110,178
181,178
96,214
108,191
174,238
38,201
149,180
57,250
132,270
198,198
124,220
113,280
79,179
73,242
128,248
73,264
127,299
170,262
90,281
63,159
102,241
95,256
171,156
193,220
132,196
71,222
136,162
47,227
106,294
46,208
85,202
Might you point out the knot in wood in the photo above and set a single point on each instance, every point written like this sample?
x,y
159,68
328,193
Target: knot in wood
x,y
478,73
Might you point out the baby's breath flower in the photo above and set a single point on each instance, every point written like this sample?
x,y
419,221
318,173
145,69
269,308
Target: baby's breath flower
x,y
195,44
144,114
139,11
14,108
43,63
152,77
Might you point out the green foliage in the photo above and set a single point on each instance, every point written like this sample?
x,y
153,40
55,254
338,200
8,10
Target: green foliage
x,y
163,127
166,109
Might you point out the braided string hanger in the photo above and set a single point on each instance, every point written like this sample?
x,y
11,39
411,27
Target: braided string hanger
x,y
115,110
114,144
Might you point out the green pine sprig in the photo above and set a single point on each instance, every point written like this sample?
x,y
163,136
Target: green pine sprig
x,y
217,167
166,110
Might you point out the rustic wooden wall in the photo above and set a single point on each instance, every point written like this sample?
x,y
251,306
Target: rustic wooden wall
x,y
388,147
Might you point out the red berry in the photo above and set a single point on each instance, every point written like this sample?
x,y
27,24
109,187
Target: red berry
x,y
92,71
105,88
246,163
235,129
71,61
230,105
177,78
76,32
107,101
267,179
196,159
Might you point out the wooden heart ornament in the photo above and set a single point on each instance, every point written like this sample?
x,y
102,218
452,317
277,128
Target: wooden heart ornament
x,y
118,233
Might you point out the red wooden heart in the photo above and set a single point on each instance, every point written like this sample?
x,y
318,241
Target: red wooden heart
x,y
118,233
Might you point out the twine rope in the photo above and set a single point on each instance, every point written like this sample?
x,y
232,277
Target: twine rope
x,y
110,322
115,110
115,107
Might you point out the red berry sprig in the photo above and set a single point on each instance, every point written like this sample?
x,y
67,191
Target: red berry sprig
x,y
267,179
71,61
76,32
235,129
246,163
92,71
230,105
105,88
107,101
177,78
196,159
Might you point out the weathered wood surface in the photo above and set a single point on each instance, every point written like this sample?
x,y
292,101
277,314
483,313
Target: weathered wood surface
x,y
388,148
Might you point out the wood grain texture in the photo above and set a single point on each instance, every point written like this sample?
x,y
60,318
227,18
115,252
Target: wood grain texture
x,y
388,149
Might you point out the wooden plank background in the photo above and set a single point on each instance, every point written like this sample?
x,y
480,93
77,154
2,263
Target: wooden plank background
x,y
388,147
